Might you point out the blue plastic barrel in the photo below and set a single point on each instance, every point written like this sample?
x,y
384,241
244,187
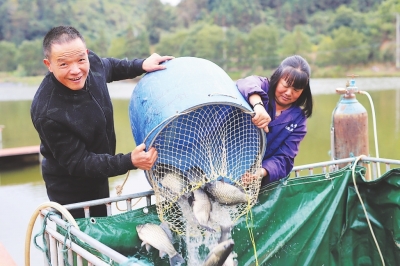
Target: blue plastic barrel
x,y
193,114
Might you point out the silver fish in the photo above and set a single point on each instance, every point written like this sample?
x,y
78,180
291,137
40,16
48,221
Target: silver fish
x,y
230,260
201,207
195,175
225,235
225,193
154,235
171,178
219,253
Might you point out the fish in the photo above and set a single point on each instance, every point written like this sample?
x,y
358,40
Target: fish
x,y
225,193
230,260
219,253
196,175
225,234
154,235
171,178
201,206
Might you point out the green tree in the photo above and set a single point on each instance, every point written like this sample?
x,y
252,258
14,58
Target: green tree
x,y
349,47
296,42
137,43
172,43
237,49
325,52
8,52
209,44
30,58
263,46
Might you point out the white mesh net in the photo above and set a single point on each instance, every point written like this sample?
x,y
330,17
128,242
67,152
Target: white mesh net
x,y
202,155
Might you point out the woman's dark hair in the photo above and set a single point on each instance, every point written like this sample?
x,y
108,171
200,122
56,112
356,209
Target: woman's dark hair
x,y
296,72
59,35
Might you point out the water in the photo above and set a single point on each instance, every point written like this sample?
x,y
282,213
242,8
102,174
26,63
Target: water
x,y
22,190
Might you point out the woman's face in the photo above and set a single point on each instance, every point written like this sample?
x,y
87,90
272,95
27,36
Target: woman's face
x,y
285,95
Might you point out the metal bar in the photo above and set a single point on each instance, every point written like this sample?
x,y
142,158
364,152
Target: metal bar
x,y
87,211
81,252
70,257
108,200
129,204
108,209
60,254
53,251
346,160
148,200
112,254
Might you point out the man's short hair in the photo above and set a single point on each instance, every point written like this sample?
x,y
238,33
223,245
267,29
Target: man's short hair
x,y
59,35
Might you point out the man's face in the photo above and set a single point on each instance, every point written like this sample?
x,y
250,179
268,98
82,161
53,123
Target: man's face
x,y
69,63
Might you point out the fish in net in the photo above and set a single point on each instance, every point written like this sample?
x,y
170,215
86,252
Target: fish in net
x,y
202,155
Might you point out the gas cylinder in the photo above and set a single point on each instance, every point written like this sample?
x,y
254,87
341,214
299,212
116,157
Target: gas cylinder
x,y
350,125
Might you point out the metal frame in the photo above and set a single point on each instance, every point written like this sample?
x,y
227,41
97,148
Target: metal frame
x,y
55,241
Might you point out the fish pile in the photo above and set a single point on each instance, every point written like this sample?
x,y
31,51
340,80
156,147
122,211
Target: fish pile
x,y
200,199
161,238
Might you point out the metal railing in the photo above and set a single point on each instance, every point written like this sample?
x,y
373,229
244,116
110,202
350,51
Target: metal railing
x,y
57,243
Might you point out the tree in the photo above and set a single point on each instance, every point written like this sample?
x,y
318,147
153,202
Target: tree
x,y
8,52
30,58
263,46
296,42
349,47
325,52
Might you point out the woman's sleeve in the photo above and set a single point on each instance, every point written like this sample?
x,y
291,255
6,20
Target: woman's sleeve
x,y
253,85
281,162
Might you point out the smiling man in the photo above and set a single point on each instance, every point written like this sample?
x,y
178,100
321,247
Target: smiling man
x,y
73,115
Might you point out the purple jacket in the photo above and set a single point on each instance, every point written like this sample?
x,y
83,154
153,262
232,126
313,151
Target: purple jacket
x,y
285,132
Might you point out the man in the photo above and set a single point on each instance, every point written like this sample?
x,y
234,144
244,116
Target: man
x,y
73,115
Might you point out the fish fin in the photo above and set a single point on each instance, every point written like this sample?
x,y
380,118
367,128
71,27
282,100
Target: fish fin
x,y
148,247
167,230
162,254
210,229
225,232
176,260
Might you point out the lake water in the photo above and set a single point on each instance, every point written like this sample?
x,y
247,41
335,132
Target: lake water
x,y
22,190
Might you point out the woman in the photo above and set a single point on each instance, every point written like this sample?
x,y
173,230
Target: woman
x,y
282,105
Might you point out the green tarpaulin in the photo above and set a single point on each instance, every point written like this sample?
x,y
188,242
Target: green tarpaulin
x,y
312,220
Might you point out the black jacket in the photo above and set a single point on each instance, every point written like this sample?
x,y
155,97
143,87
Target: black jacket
x,y
76,129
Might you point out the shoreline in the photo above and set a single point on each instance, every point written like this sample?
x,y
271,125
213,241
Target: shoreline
x,y
123,89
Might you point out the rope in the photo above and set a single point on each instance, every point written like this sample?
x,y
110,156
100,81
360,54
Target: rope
x,y
65,248
42,233
66,214
250,227
365,211
119,189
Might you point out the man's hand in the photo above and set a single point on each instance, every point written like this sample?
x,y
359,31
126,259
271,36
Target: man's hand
x,y
261,118
152,63
142,159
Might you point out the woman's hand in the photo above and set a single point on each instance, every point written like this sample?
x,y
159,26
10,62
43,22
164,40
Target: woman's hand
x,y
249,178
261,118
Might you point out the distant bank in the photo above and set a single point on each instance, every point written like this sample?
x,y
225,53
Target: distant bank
x,y
123,89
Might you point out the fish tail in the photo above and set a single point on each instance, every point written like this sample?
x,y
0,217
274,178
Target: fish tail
x,y
176,260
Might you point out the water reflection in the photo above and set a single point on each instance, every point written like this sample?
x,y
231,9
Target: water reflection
x,y
22,189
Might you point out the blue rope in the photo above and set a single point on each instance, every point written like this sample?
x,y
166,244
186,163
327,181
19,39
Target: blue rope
x,y
65,248
41,233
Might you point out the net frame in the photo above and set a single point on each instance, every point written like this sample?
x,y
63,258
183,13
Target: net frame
x,y
221,140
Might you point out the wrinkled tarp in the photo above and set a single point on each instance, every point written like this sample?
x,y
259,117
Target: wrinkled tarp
x,y
312,220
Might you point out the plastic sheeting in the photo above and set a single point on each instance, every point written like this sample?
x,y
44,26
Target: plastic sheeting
x,y
312,220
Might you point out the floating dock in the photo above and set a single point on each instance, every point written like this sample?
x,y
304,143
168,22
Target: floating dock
x,y
11,157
